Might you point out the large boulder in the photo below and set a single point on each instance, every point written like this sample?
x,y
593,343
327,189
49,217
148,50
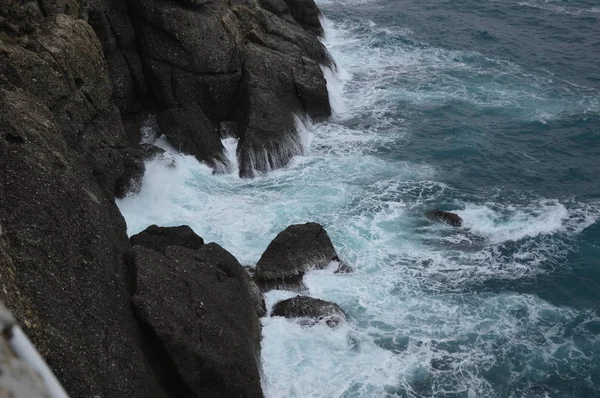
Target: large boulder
x,y
159,238
446,217
310,311
295,250
198,308
192,133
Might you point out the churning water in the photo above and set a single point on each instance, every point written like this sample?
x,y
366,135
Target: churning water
x,y
487,108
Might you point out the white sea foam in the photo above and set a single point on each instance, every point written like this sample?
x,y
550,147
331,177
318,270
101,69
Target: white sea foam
x,y
415,328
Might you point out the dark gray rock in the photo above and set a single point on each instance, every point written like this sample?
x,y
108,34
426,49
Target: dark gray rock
x,y
192,133
236,61
198,306
159,238
63,240
130,181
307,14
294,251
111,22
445,217
62,155
309,311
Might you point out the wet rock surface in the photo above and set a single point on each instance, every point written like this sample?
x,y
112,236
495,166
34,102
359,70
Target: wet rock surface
x,y
294,251
446,217
200,316
309,311
76,79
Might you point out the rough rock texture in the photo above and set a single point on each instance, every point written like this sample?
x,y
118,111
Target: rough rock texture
x,y
72,99
294,251
62,65
257,64
159,238
445,217
62,158
17,378
307,14
192,133
197,306
310,311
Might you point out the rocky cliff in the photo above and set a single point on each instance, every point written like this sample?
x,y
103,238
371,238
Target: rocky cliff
x,y
76,79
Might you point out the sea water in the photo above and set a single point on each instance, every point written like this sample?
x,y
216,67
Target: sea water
x,y
490,109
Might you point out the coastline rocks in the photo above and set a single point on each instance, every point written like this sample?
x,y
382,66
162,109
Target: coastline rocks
x,y
307,14
310,311
257,64
294,251
159,238
451,219
64,156
200,319
192,133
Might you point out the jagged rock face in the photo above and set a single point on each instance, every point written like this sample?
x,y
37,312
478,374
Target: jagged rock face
x,y
62,158
192,133
62,65
65,240
294,251
255,64
197,306
310,311
307,14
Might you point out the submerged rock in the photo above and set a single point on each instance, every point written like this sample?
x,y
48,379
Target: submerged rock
x,y
445,217
199,317
310,311
294,251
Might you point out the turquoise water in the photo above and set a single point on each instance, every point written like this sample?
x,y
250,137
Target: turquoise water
x,y
490,109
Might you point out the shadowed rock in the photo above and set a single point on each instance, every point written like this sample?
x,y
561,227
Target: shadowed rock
x,y
310,311
200,318
445,217
294,251
159,238
192,133
234,60
62,159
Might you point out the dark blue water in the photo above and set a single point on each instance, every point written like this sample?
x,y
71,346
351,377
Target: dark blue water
x,y
502,99
487,108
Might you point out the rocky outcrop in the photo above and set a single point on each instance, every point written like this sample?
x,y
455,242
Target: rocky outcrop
x,y
200,315
71,102
310,311
64,241
445,217
294,251
63,157
255,64
159,238
192,133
